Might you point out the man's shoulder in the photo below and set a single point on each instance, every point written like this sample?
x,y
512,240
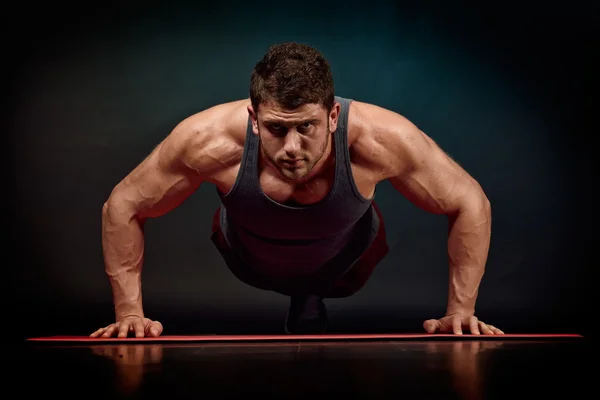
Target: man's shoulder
x,y
222,121
368,119
214,137
379,137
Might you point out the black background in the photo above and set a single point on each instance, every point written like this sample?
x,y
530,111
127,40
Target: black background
x,y
505,89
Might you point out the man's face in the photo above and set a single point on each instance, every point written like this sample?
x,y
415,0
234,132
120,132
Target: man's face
x,y
294,141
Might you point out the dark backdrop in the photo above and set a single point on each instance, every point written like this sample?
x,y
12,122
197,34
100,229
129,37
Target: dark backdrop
x,y
505,90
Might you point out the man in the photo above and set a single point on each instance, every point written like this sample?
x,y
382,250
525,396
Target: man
x,y
296,169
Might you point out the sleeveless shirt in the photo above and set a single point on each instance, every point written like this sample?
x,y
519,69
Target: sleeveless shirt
x,y
294,240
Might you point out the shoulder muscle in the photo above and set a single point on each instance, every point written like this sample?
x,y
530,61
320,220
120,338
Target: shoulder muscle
x,y
196,149
397,150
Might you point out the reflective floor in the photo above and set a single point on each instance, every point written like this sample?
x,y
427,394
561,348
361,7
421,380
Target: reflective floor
x,y
429,369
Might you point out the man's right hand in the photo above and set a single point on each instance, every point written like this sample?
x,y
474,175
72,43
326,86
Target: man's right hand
x,y
139,327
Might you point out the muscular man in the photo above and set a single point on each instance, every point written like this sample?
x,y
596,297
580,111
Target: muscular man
x,y
296,168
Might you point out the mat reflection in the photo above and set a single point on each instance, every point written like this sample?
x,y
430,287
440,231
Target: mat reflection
x,y
132,362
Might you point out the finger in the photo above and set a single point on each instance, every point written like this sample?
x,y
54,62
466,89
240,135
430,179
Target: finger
x,y
98,332
155,329
457,325
124,329
485,329
138,328
110,330
431,325
496,330
474,325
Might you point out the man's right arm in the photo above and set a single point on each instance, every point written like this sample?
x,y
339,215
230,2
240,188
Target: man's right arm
x,y
168,176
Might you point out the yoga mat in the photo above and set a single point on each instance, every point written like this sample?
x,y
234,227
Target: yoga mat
x,y
287,338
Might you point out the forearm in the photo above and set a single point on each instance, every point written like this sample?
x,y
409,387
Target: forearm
x,y
468,246
123,249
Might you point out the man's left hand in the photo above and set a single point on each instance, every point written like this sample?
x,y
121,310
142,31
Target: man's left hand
x,y
456,323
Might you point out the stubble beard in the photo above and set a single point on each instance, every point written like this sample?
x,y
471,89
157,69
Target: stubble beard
x,y
295,174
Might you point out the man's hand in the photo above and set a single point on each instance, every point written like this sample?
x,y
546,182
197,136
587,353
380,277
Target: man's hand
x,y
455,323
140,327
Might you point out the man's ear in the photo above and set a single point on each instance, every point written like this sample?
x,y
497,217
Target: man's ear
x,y
333,116
254,118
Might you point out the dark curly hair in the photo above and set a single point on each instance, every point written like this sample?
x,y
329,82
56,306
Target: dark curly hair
x,y
291,75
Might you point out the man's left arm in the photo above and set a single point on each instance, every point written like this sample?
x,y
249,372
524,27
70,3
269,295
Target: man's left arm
x,y
421,171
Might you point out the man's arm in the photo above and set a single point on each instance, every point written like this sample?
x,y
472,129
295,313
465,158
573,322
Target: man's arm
x,y
165,179
434,182
430,179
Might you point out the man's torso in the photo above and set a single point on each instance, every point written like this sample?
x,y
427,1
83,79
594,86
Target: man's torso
x,y
256,238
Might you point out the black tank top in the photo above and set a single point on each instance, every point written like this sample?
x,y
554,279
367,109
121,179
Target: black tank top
x,y
279,239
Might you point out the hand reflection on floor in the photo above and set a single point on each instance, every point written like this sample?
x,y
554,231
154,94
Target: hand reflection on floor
x,y
465,360
131,361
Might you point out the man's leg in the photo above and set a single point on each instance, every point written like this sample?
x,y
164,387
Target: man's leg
x,y
304,312
307,313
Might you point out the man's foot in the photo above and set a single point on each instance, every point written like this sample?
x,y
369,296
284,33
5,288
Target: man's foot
x,y
307,316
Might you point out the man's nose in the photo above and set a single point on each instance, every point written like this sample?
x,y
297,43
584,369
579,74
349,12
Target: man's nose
x,y
292,142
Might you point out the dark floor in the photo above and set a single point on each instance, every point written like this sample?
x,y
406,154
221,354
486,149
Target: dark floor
x,y
429,369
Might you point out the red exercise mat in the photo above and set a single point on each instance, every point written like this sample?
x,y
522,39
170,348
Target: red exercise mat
x,y
266,338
